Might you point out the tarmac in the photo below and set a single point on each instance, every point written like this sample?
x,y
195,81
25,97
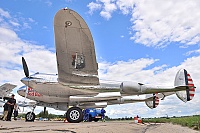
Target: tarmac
x,y
89,127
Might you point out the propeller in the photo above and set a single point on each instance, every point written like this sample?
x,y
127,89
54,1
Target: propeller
x,y
25,67
26,72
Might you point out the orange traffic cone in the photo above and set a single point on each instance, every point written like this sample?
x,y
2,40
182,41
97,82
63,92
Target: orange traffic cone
x,y
65,121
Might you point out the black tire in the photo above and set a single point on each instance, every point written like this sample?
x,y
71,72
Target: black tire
x,y
30,116
74,115
90,118
96,119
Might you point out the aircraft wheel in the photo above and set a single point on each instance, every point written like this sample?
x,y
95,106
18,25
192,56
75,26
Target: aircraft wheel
x,y
96,119
30,116
90,118
74,115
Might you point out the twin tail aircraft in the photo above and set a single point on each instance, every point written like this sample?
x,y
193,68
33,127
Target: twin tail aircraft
x,y
77,83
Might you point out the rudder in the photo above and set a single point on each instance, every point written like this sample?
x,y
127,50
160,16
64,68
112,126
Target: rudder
x,y
184,79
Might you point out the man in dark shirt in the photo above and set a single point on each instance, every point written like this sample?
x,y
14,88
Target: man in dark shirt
x,y
11,102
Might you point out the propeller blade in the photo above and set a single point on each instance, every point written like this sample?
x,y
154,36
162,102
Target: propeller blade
x,y
25,67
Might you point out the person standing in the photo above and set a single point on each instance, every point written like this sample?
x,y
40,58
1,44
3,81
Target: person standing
x,y
5,112
103,114
16,111
11,103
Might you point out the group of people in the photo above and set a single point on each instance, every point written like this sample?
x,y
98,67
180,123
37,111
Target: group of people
x,y
9,106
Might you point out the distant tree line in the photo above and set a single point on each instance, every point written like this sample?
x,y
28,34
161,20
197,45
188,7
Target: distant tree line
x,y
44,115
117,119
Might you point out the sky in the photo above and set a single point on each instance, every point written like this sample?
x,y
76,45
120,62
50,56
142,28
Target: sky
x,y
135,40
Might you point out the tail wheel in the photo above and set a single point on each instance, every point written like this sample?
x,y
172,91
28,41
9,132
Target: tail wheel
x,y
74,115
30,116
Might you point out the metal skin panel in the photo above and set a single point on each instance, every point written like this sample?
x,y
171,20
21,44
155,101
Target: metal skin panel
x,y
76,58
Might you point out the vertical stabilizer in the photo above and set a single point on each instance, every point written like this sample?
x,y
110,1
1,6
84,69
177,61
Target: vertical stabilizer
x,y
153,103
184,79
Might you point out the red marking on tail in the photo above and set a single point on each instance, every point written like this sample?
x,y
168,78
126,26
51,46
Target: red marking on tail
x,y
191,85
157,100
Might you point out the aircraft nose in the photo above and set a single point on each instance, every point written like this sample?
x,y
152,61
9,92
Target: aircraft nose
x,y
21,91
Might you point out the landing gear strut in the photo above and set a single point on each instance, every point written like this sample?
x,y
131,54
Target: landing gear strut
x,y
74,115
30,116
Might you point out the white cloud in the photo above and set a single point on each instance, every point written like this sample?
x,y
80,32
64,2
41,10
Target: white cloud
x,y
93,7
125,71
105,14
107,7
4,13
7,35
31,20
26,26
16,22
197,51
12,48
125,6
157,23
45,27
49,3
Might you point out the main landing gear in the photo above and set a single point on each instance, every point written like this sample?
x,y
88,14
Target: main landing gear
x,y
30,116
74,115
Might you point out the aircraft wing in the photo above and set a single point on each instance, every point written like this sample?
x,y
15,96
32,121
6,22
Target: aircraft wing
x,y
76,58
6,88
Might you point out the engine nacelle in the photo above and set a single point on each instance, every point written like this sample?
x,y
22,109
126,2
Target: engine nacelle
x,y
152,103
132,87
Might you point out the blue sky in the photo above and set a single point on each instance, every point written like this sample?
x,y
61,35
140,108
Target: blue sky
x,y
148,41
